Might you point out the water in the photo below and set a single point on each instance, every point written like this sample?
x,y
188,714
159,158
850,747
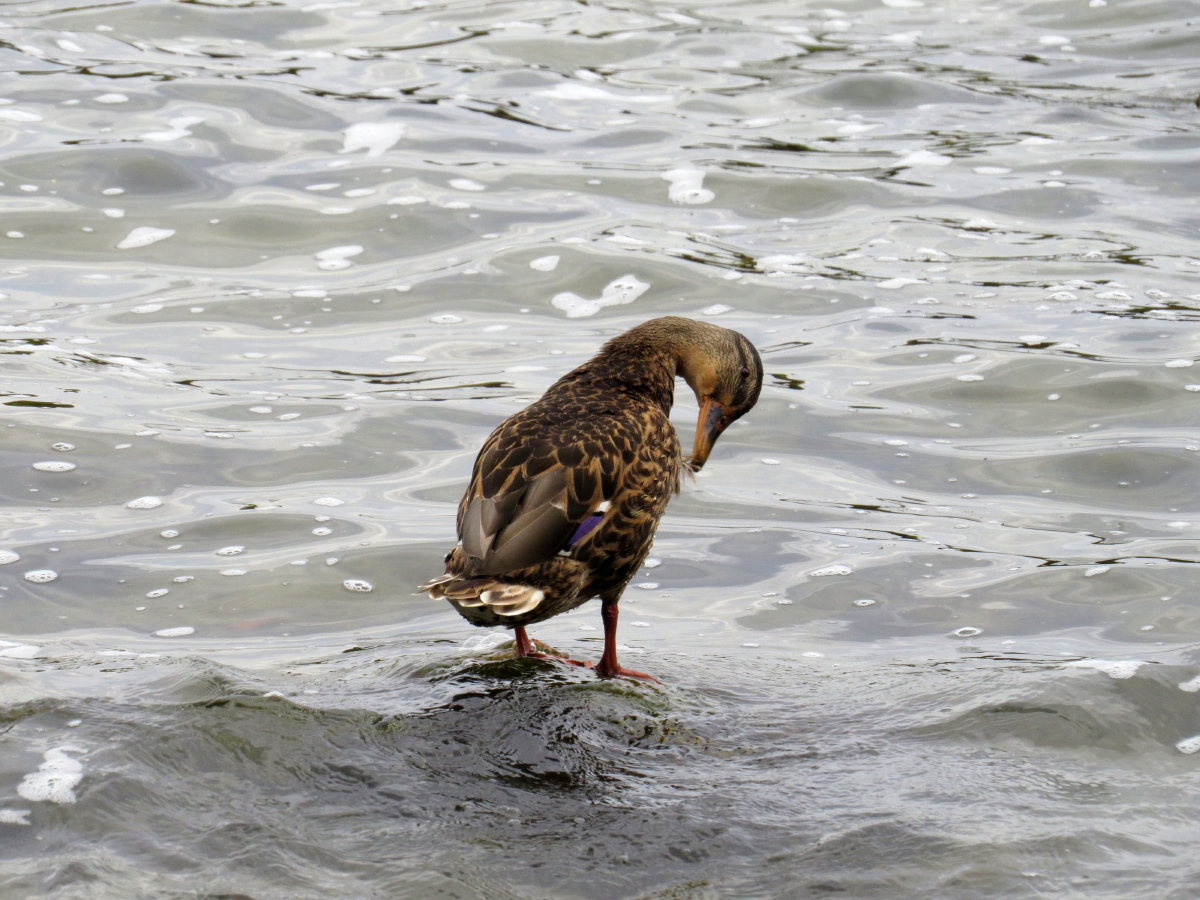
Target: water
x,y
926,624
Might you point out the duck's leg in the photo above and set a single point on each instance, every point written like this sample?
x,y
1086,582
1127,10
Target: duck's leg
x,y
525,647
608,667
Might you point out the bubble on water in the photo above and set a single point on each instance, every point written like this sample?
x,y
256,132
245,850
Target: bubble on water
x,y
969,378
466,184
54,466
8,556
896,442
652,563
623,290
321,532
1032,338
62,447
866,601
337,257
544,263
1054,396
1053,40
41,576
374,137
647,585
1120,669
180,631
716,309
1114,295
232,550
287,417
784,602
485,642
406,358
1179,524
357,584
1191,685
1095,570
233,573
687,186
144,236
55,779
157,592
766,461
813,654
830,570
111,98
445,319
254,355
261,410
1179,364
992,170
964,357
640,624
183,579
1191,387
168,533
966,632
1189,745
329,501
406,200
331,561
15,816
925,158
144,503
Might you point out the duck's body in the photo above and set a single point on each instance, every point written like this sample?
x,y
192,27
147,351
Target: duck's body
x,y
566,494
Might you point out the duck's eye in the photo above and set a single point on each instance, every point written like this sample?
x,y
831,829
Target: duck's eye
x,y
745,372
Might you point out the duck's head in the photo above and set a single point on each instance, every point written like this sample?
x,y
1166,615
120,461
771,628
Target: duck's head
x,y
725,372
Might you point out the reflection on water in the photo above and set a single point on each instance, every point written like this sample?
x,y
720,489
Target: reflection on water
x,y
273,271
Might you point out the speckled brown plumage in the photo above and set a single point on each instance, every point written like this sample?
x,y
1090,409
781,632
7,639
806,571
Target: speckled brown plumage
x,y
596,451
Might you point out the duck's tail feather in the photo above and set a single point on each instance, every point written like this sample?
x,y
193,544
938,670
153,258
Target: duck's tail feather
x,y
503,599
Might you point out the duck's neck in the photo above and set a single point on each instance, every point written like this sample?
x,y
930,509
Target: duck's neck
x,y
644,360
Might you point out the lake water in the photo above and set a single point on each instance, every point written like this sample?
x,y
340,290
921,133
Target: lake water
x,y
927,623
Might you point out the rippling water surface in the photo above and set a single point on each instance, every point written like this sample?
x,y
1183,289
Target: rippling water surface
x,y
926,623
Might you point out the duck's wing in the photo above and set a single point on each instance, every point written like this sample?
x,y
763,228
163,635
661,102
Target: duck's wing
x,y
532,496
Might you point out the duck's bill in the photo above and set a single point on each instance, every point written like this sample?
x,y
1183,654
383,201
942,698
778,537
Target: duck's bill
x,y
712,421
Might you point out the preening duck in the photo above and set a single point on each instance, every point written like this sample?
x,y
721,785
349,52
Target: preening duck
x,y
566,494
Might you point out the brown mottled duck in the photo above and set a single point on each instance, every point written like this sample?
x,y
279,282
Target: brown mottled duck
x,y
566,494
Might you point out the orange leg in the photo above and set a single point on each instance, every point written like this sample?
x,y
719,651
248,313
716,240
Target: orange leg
x,y
608,667
526,648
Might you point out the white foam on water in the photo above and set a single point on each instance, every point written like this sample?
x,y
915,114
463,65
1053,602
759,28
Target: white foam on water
x,y
652,563
233,573
41,576
14,816
966,632
485,642
1189,745
466,184
991,170
157,592
406,200
647,585
623,290
55,779
62,447
261,410
12,650
8,556
357,584
374,137
1179,364
1053,40
114,212
687,186
964,358
144,503
640,624
1119,669
111,98
969,378
322,531
180,631
865,602
1191,685
896,442
925,158
830,570
1095,570
183,579
233,550
178,129
144,236
406,357
329,501
1179,524
716,309
767,461
894,283
446,319
544,263
54,466
337,257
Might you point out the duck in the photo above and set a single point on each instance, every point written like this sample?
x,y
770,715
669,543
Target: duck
x,y
565,495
